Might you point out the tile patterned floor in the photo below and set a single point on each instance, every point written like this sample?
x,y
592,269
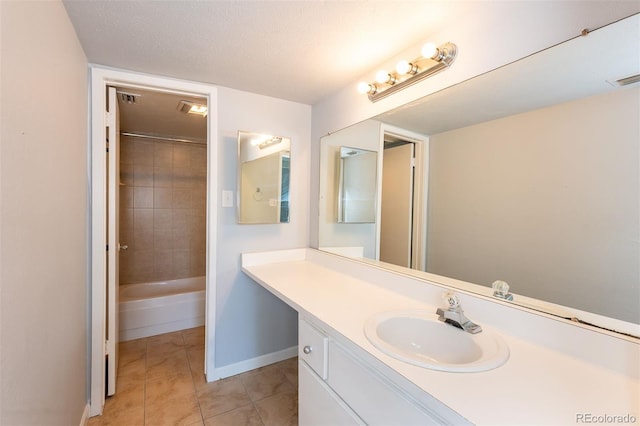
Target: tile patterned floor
x,y
161,382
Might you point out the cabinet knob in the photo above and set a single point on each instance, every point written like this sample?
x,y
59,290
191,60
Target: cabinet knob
x,y
306,349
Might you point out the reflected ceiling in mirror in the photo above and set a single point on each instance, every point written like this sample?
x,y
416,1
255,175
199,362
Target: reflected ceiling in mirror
x,y
533,178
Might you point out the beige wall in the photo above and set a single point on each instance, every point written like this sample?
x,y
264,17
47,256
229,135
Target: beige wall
x,y
547,201
43,217
260,189
162,210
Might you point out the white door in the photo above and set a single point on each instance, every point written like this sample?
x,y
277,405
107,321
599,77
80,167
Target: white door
x,y
113,246
396,223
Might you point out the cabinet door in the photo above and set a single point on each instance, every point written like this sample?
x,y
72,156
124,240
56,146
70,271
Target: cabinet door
x,y
318,404
376,401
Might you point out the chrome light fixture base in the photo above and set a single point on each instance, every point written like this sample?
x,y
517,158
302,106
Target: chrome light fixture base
x,y
442,59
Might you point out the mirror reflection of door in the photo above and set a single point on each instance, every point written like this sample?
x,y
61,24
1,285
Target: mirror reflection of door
x,y
396,224
403,199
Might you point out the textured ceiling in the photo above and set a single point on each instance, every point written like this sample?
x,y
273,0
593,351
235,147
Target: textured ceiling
x,y
297,50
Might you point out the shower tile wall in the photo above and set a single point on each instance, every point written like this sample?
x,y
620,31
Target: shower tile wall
x,y
162,210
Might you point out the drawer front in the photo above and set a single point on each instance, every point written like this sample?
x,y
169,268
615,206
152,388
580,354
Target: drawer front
x,y
313,347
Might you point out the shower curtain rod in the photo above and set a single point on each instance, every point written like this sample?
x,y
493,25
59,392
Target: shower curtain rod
x,y
162,138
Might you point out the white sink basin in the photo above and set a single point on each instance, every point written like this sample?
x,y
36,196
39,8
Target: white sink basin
x,y
417,337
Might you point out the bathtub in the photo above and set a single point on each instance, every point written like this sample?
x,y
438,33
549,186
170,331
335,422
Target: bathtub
x,y
160,307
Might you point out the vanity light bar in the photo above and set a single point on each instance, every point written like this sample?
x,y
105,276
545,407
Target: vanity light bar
x,y
433,60
273,141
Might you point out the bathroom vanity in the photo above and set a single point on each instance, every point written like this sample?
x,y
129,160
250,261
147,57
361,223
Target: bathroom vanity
x,y
556,371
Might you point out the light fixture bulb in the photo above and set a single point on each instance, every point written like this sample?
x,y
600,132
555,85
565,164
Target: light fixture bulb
x,y
429,50
364,88
383,76
406,67
403,67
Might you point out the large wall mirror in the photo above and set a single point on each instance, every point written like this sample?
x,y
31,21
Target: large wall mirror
x,y
533,178
264,164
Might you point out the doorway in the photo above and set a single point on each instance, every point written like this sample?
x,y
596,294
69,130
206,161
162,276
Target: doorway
x,y
103,231
402,234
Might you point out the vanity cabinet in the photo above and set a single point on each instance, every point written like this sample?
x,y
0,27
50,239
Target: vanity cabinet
x,y
336,387
318,404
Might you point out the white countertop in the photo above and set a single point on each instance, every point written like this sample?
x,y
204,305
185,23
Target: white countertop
x,y
539,384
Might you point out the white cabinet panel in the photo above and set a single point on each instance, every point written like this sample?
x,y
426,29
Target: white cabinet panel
x,y
319,405
312,347
375,401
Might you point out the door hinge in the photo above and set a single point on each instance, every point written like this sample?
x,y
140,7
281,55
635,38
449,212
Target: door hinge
x,y
110,118
107,247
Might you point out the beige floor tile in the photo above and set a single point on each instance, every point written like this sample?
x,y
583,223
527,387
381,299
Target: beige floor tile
x,y
165,343
163,350
243,416
136,346
161,381
166,388
169,365
289,368
193,337
181,410
199,380
133,417
132,368
129,395
264,382
221,396
196,364
279,410
196,358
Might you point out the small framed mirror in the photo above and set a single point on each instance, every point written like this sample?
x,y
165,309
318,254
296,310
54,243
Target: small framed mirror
x,y
357,185
264,164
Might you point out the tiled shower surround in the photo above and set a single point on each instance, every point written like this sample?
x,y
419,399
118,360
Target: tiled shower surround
x,y
162,210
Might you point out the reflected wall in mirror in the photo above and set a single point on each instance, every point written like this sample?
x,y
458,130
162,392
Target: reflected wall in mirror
x,y
534,179
392,188
357,185
263,178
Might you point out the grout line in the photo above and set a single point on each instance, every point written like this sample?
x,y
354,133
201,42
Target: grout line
x,y
253,403
195,390
144,394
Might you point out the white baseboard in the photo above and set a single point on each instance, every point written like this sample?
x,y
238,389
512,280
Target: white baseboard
x,y
251,364
85,416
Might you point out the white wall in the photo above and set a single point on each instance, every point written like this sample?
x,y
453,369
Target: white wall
x,y
43,217
546,200
250,321
364,136
496,33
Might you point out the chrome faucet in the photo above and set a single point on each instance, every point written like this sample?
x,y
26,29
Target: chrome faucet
x,y
501,290
455,316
